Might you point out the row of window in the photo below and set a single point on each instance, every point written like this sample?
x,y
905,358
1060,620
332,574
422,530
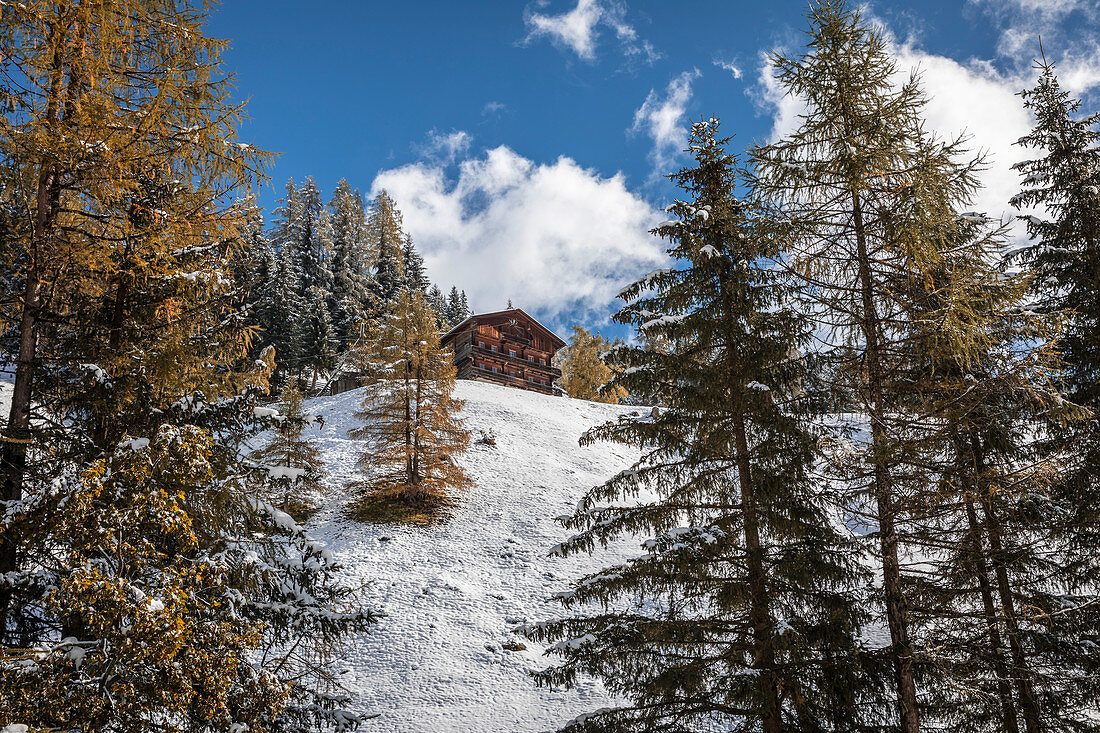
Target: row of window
x,y
512,353
496,370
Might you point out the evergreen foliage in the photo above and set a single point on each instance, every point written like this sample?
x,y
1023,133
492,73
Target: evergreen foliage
x,y
456,307
357,264
312,240
410,418
997,597
387,241
291,459
319,342
413,264
351,299
751,620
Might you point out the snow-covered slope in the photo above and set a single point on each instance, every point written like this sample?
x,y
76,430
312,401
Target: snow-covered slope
x,y
453,592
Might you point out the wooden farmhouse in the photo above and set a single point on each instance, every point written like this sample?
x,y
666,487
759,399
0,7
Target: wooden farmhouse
x,y
508,347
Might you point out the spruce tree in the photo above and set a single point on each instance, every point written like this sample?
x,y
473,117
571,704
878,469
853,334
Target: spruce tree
x,y
456,311
351,297
411,424
1062,261
977,378
292,459
282,314
751,618
313,244
386,241
438,303
318,341
415,276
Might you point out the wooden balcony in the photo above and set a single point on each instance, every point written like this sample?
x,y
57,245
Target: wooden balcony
x,y
469,350
474,372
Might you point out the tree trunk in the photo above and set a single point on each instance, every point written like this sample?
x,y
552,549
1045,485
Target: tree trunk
x,y
897,613
1022,675
759,615
417,422
981,570
13,451
1010,719
771,718
114,342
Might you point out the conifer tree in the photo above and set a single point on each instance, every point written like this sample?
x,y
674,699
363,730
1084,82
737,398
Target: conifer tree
x,y
995,598
319,343
411,424
288,221
281,313
386,241
751,620
438,303
313,244
351,297
144,640
92,141
1062,261
584,374
413,263
291,459
456,307
1063,257
455,312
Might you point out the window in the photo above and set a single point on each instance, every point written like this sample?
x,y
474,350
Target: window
x,y
494,347
530,379
481,344
542,361
511,352
530,358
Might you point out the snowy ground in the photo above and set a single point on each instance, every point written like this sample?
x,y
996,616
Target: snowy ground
x,y
453,592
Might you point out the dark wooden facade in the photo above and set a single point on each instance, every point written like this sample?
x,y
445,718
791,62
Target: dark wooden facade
x,y
507,347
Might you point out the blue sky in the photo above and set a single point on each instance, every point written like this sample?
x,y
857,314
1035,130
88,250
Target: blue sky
x,y
525,143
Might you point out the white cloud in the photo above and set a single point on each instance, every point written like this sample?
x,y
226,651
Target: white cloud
x,y
445,147
578,29
663,118
492,109
1022,22
728,66
557,239
977,97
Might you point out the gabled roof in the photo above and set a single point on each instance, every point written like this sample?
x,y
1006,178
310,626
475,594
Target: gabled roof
x,y
558,342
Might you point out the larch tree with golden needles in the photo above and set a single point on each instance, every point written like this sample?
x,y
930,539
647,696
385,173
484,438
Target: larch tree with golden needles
x,y
129,190
585,374
119,147
410,416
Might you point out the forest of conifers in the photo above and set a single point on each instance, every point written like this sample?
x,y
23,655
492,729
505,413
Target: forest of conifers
x,y
869,497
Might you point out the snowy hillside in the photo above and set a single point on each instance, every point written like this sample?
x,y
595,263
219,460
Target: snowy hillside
x,y
453,592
